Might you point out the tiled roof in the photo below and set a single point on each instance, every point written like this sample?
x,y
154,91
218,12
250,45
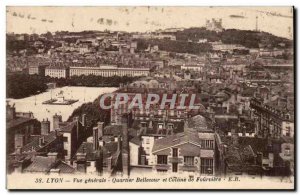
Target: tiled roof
x,y
34,144
248,92
17,121
136,140
257,144
64,167
108,150
68,127
189,136
113,130
286,139
40,164
87,148
45,164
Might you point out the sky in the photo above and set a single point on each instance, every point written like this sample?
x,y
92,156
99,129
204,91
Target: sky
x,y
28,19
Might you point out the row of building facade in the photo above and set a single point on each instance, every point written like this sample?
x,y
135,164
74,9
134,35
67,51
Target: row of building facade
x,y
104,71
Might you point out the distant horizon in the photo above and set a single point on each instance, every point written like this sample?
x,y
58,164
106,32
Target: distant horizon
x,y
274,20
135,31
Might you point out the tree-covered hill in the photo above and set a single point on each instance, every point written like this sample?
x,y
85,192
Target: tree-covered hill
x,y
247,38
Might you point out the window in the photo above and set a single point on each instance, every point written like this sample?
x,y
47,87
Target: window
x,y
178,113
170,126
161,170
207,166
175,152
162,159
174,167
287,151
147,141
65,139
160,125
209,144
288,131
143,124
189,160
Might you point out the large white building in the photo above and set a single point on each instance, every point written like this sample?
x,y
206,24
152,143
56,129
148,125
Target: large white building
x,y
193,67
105,71
57,72
108,71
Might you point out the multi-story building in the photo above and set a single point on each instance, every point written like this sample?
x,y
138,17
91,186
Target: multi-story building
x,y
49,164
57,72
287,153
193,67
19,129
271,121
183,147
190,151
109,71
37,70
72,132
237,155
99,156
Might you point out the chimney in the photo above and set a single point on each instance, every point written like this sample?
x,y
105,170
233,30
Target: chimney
x,y
109,164
239,121
18,150
99,161
101,142
75,119
83,119
118,140
53,155
95,138
100,126
186,125
234,137
259,158
125,145
56,120
41,141
10,111
57,132
45,127
19,140
78,129
228,108
81,162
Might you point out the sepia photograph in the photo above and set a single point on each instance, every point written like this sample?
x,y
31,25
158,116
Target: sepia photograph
x,y
150,97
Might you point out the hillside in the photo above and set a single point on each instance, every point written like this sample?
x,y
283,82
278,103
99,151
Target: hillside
x,y
247,38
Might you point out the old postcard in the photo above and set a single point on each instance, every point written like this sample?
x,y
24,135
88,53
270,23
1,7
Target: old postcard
x,y
150,98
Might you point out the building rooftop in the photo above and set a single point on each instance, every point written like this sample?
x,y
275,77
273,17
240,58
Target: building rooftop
x,y
34,145
45,164
188,136
109,149
17,121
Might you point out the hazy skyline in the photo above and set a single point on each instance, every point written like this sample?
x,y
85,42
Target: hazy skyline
x,y
275,20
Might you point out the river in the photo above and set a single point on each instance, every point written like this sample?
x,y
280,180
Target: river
x,y
43,111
